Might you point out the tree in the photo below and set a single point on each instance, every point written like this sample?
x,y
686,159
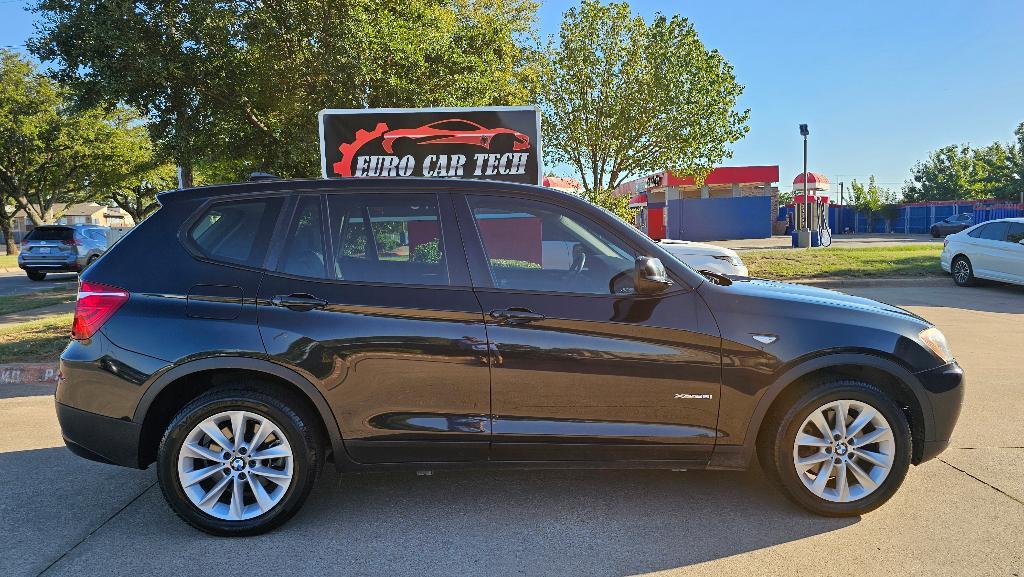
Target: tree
x,y
50,154
622,97
871,199
239,83
960,172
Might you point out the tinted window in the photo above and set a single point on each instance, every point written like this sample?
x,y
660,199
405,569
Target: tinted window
x,y
965,217
303,253
976,233
1016,232
537,246
51,233
388,239
237,232
995,231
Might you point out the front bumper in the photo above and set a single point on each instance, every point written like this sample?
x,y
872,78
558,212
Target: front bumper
x,y
100,438
944,387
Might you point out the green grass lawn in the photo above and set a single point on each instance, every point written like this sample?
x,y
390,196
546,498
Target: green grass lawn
x,y
892,261
8,261
40,340
44,298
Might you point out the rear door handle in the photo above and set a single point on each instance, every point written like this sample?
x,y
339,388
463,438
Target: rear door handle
x,y
298,302
516,316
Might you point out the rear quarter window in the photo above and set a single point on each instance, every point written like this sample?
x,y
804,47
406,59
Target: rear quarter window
x,y
236,232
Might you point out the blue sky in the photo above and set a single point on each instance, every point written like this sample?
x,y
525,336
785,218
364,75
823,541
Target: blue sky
x,y
880,83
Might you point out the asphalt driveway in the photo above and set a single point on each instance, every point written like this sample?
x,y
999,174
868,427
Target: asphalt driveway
x,y
962,514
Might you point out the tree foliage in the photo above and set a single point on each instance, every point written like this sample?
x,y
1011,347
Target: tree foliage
x,y
871,199
623,97
960,172
238,84
51,154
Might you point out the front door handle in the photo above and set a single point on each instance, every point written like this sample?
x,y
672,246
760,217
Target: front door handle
x,y
298,302
516,316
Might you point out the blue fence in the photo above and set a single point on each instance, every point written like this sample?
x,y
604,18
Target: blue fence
x,y
911,219
720,218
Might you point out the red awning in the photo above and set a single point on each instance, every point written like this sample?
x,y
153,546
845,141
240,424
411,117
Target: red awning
x,y
638,200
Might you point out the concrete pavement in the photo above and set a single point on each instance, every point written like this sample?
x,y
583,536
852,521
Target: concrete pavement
x,y
15,282
961,514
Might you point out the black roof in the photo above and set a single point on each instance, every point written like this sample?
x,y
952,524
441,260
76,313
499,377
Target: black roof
x,y
375,185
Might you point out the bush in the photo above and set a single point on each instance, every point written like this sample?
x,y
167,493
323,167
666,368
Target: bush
x,y
427,252
512,263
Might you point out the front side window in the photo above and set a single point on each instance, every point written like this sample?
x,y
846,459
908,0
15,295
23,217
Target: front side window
x,y
388,239
236,232
1015,233
536,246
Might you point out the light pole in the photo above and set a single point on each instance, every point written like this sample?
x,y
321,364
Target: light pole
x,y
1017,178
804,238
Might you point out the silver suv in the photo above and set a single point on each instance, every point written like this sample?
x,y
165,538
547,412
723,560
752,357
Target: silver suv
x,y
54,248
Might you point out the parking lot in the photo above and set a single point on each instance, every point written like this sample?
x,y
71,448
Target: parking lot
x,y
961,514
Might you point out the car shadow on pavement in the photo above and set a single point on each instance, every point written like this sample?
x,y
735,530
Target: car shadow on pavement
x,y
612,523
989,297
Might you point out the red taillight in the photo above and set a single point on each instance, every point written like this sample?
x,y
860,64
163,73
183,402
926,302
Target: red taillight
x,y
96,303
72,242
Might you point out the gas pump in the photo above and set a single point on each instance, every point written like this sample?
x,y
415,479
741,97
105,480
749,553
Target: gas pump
x,y
812,215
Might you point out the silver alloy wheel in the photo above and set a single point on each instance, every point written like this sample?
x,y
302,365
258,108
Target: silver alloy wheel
x,y
235,465
961,271
844,451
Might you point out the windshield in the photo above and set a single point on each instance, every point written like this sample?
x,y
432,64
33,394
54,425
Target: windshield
x,y
50,233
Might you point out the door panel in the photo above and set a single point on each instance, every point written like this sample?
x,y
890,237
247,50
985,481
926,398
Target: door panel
x,y
581,375
603,370
404,368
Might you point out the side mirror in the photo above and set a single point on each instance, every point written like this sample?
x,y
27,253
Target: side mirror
x,y
649,276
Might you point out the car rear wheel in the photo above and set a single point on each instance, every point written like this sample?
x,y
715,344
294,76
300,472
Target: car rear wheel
x,y
935,232
841,449
963,271
36,275
238,462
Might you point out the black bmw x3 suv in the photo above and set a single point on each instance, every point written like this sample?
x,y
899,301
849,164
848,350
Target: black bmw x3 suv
x,y
244,335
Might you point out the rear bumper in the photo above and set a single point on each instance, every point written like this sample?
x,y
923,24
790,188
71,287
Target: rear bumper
x,y
100,438
51,265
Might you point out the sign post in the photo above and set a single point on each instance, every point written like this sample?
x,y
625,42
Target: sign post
x,y
494,143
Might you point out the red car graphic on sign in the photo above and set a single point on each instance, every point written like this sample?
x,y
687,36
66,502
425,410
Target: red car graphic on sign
x,y
454,131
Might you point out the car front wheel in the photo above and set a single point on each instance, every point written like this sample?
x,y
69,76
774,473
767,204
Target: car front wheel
x,y
841,449
36,276
238,462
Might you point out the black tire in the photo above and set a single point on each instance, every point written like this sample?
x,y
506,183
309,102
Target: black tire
x,y
89,262
962,271
935,233
776,445
36,275
299,428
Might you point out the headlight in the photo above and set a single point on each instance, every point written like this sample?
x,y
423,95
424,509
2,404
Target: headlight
x,y
936,343
733,260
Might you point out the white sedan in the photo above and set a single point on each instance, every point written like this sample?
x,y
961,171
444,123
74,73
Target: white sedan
x,y
992,250
702,256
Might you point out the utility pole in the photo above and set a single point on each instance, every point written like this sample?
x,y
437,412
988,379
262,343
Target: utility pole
x,y
841,205
804,236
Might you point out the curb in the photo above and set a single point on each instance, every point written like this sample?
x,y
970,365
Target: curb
x,y
937,281
28,374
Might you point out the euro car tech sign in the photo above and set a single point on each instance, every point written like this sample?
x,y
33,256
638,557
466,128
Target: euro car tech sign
x,y
495,143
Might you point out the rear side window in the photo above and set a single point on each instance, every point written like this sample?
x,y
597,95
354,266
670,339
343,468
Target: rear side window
x,y
236,232
304,253
995,231
51,233
388,239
